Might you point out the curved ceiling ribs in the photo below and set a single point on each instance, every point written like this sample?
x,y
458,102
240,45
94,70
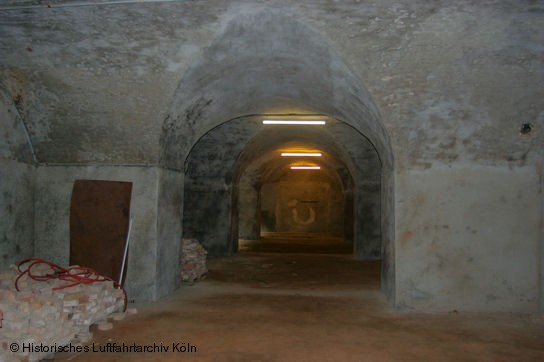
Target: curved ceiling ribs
x,y
280,66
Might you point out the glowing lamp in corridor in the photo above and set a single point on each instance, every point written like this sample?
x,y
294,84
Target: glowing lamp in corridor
x,y
305,168
301,154
294,121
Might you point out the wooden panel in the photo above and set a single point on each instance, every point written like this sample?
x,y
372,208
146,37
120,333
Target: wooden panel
x,y
99,219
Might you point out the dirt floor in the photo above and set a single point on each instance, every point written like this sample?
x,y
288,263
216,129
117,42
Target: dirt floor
x,y
272,306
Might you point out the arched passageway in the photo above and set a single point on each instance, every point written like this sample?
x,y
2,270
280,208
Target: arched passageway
x,y
341,198
228,170
215,135
237,184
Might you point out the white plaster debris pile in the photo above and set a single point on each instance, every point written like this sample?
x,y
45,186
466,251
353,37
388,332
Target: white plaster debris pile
x,y
193,260
37,315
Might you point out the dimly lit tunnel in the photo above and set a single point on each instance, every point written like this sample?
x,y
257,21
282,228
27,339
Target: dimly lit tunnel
x,y
238,186
268,183
272,180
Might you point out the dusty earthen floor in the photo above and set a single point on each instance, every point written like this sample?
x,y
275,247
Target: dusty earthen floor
x,y
259,306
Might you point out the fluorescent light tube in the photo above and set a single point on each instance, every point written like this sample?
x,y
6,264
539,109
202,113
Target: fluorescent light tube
x,y
301,154
305,168
293,121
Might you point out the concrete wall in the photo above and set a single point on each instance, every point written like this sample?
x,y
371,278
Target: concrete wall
x,y
368,228
52,220
16,185
169,231
209,188
249,209
16,212
371,174
468,238
540,248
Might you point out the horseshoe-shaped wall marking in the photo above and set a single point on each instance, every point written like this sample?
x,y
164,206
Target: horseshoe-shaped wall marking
x,y
308,221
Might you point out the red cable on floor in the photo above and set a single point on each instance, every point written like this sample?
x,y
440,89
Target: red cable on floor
x,y
74,275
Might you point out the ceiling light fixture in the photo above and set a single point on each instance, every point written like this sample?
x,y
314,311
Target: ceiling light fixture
x,y
301,154
305,168
294,121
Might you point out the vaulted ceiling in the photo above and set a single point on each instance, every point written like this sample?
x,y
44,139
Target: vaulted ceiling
x,y
139,82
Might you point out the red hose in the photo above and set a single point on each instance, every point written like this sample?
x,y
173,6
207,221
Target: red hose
x,y
74,275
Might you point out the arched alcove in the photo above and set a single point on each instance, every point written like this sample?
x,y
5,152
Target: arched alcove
x,y
281,67
349,159
226,168
263,173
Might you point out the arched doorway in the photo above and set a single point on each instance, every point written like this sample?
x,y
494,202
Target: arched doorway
x,y
230,166
217,113
342,198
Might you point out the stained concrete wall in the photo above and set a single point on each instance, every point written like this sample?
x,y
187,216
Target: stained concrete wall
x,y
371,174
16,212
369,228
468,238
16,185
249,209
52,221
388,253
268,206
209,187
540,248
169,231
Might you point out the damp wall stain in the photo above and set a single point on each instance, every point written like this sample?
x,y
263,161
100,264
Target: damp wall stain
x,y
459,242
16,212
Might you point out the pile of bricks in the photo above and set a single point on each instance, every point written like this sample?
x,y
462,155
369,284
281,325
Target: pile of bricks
x,y
37,315
193,260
